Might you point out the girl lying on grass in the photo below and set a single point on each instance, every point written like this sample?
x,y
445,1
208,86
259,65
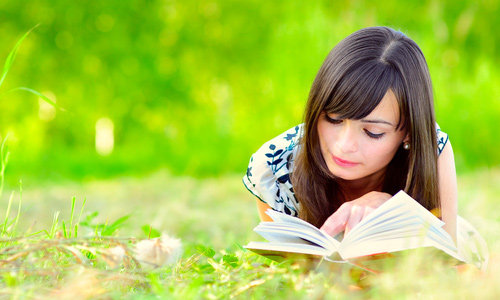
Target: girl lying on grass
x,y
369,131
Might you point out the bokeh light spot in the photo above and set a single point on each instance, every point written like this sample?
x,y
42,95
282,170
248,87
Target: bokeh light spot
x,y
46,112
104,136
104,23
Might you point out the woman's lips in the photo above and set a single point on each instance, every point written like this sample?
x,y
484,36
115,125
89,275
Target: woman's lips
x,y
344,163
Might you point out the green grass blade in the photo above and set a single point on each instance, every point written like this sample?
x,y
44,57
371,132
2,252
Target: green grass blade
x,y
4,229
4,158
96,229
65,233
38,232
73,201
55,221
8,64
12,56
109,230
104,228
18,209
42,96
81,210
77,225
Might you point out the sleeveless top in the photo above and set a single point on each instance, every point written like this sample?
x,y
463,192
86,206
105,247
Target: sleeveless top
x,y
268,178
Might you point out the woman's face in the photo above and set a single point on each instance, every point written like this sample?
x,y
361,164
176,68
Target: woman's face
x,y
355,149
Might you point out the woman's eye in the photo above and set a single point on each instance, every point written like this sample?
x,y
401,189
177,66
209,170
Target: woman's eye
x,y
332,120
374,135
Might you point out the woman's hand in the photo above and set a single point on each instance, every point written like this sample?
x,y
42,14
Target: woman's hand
x,y
351,213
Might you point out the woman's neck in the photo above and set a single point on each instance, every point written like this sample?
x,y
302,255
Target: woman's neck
x,y
359,187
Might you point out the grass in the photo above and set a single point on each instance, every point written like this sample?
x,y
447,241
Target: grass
x,y
8,65
212,217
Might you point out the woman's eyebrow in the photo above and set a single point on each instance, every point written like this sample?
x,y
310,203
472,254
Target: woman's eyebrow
x,y
377,121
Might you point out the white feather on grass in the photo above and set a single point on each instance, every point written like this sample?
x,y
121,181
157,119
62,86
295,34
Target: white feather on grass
x,y
158,252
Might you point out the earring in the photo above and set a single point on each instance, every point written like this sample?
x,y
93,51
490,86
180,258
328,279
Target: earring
x,y
406,145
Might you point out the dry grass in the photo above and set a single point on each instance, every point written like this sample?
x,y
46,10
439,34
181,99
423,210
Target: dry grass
x,y
215,213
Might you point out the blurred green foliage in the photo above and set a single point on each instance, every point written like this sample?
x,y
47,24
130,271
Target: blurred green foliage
x,y
198,86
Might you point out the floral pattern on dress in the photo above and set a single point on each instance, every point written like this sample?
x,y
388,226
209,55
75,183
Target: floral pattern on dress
x,y
442,139
268,173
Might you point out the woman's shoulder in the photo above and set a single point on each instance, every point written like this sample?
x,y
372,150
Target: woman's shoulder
x,y
268,173
273,150
278,153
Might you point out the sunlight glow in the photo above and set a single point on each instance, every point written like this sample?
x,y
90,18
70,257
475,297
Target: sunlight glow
x,y
46,112
104,136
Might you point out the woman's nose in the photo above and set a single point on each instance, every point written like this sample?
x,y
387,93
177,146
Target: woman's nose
x,y
346,140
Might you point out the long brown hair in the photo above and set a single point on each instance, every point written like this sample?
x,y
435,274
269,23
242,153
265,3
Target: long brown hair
x,y
353,79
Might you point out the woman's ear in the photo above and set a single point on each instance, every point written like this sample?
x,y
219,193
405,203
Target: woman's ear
x,y
407,138
406,142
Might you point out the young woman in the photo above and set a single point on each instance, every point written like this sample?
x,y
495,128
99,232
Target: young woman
x,y
369,131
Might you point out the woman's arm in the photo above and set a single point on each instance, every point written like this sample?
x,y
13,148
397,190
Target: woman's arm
x,y
448,190
262,207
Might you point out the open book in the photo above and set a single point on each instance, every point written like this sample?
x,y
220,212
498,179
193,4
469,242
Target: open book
x,y
399,224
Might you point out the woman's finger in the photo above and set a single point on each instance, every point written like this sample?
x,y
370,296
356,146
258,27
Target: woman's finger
x,y
356,215
336,223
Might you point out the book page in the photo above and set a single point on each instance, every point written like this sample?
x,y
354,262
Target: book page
x,y
290,234
292,222
287,247
398,224
400,209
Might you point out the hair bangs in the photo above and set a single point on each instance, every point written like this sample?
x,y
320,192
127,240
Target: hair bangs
x,y
359,92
